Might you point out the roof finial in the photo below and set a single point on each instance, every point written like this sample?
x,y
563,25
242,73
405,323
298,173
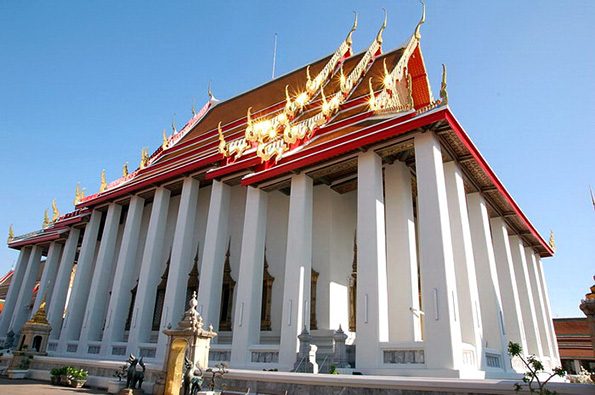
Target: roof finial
x,y
125,170
79,194
46,219
552,242
421,21
193,107
379,35
443,92
103,185
349,40
165,142
592,197
10,233
55,212
144,158
210,91
173,124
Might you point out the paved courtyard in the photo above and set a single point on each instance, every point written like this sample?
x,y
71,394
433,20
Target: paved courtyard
x,y
34,387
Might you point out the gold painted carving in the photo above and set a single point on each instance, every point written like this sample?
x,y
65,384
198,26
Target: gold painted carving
x,y
55,212
144,158
125,170
552,241
443,92
46,219
79,195
103,185
10,233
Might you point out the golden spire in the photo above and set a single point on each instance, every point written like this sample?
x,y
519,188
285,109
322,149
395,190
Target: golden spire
x,y
379,35
349,40
443,92
55,212
103,185
46,219
125,170
40,315
10,233
164,142
222,144
421,21
79,194
144,158
552,242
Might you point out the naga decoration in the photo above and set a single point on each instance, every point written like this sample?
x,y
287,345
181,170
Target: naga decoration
x,y
270,136
144,158
103,185
46,219
79,195
10,234
443,92
164,142
55,212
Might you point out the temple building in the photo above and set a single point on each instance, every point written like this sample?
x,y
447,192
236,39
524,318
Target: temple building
x,y
340,197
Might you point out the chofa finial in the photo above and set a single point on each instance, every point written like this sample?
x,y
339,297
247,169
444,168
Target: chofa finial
x,y
164,141
422,20
379,35
552,241
349,39
103,185
174,130
210,91
46,219
125,170
443,91
10,233
144,158
55,212
79,194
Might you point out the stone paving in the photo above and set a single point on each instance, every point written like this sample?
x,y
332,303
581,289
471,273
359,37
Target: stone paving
x,y
34,387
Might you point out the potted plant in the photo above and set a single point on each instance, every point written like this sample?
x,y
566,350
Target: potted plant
x,y
64,380
55,376
78,377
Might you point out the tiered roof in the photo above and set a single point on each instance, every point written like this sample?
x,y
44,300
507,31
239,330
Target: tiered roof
x,y
328,109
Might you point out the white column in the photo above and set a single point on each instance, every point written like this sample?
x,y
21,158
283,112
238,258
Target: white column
x,y
542,323
548,313
525,297
21,311
48,278
55,309
123,277
14,289
182,258
150,270
401,255
104,267
213,257
466,278
82,282
513,317
442,331
298,266
492,316
246,324
372,292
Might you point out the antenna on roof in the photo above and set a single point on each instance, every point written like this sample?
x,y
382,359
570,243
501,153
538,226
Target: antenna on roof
x,y
274,56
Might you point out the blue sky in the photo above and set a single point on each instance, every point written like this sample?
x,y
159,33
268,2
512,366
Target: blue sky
x,y
85,85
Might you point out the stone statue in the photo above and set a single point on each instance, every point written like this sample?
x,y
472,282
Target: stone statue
x,y
134,377
192,378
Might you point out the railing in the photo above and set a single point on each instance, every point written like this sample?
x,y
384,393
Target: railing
x,y
405,353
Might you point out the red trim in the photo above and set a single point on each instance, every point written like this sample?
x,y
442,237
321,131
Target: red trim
x,y
35,240
458,129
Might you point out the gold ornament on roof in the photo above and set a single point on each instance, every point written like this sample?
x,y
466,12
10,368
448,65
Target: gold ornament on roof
x,y
552,242
79,194
10,233
222,145
125,170
174,130
164,141
443,92
103,185
144,158
421,21
349,39
55,212
46,219
372,99
379,35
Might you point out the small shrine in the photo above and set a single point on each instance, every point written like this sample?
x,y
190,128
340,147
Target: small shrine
x,y
188,349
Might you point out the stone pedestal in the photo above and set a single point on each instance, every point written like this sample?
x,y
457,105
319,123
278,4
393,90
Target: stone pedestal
x,y
306,358
187,341
340,355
